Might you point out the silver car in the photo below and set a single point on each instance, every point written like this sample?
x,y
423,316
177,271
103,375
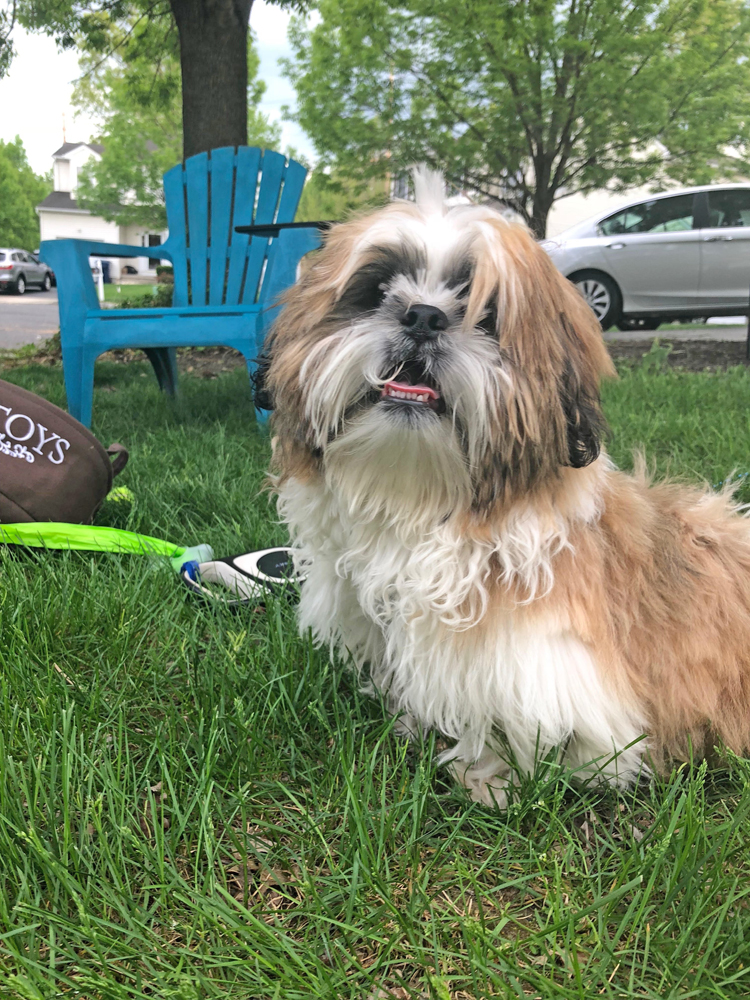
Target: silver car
x,y
19,270
678,255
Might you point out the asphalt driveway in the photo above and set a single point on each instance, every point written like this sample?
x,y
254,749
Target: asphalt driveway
x,y
33,317
27,319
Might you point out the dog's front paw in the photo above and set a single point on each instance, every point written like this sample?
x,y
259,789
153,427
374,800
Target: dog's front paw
x,y
491,793
486,780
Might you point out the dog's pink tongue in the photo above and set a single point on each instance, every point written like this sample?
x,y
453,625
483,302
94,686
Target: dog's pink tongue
x,y
409,390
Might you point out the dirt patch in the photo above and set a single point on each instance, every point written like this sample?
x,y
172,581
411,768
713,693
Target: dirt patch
x,y
210,362
202,362
690,355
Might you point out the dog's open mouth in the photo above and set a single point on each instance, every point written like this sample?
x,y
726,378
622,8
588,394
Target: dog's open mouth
x,y
412,386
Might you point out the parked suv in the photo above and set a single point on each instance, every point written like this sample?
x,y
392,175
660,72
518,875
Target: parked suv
x,y
19,270
678,255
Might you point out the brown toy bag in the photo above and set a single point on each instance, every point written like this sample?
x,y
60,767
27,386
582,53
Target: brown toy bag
x,y
52,468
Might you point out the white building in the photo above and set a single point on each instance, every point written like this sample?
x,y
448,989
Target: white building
x,y
60,217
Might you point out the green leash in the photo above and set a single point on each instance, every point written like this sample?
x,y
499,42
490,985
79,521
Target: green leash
x,y
84,537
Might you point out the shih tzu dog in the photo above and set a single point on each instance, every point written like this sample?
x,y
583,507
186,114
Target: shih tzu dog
x,y
467,541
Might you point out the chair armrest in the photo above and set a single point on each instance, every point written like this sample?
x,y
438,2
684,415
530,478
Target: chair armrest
x,y
76,291
93,249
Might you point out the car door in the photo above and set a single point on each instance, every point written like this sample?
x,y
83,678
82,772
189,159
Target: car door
x,y
653,252
18,265
30,268
27,267
35,268
38,268
725,250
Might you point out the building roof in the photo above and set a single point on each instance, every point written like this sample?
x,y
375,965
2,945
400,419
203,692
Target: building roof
x,y
68,146
61,201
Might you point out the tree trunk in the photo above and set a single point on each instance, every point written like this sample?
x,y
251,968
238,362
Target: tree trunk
x,y
213,60
540,209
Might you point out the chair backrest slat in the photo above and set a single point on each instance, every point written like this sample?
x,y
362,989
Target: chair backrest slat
x,y
265,211
196,189
248,165
174,197
222,190
294,181
207,197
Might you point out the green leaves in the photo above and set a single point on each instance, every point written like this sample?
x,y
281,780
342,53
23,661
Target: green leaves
x,y
21,190
528,100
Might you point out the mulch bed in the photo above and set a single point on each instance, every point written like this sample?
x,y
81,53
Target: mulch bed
x,y
209,362
690,355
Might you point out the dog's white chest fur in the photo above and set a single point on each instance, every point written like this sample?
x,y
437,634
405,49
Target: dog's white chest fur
x,y
413,608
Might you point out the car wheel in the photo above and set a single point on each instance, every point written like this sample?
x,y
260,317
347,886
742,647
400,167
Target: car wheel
x,y
601,294
47,283
642,323
20,285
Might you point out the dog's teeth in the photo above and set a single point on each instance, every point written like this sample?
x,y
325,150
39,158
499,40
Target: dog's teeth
x,y
412,394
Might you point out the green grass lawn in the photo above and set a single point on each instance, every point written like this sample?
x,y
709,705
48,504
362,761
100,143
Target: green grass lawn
x,y
196,803
117,292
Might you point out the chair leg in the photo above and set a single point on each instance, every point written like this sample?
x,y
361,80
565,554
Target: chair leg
x,y
164,362
81,396
72,365
88,360
78,372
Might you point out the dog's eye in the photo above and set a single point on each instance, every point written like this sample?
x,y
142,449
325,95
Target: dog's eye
x,y
364,295
372,297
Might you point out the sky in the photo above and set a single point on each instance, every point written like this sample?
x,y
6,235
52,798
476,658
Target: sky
x,y
36,93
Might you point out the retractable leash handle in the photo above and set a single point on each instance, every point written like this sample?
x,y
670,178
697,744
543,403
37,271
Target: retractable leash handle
x,y
242,579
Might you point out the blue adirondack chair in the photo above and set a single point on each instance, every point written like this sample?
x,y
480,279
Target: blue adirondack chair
x,y
225,283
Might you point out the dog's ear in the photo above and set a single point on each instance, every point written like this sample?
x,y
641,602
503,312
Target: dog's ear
x,y
583,417
578,385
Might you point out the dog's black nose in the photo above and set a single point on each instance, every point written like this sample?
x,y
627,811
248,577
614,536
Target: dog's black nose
x,y
424,322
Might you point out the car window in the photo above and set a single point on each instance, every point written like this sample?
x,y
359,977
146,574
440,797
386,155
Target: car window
x,y
663,215
729,208
2,256
16,257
